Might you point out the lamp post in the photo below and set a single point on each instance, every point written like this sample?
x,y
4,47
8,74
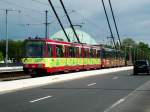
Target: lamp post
x,y
0,26
6,14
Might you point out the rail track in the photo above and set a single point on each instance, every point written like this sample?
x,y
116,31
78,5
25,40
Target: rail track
x,y
13,76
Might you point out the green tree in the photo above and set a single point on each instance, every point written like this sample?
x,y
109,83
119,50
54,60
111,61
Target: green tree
x,y
1,56
15,49
129,42
143,50
144,47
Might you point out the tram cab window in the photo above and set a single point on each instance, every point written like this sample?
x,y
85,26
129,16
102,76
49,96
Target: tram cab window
x,y
35,49
59,51
49,49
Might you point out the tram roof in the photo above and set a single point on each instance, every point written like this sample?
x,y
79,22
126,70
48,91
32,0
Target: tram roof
x,y
61,42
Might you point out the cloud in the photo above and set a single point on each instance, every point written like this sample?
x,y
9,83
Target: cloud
x,y
132,17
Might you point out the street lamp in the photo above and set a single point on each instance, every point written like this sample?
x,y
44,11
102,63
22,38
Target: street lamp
x,y
6,12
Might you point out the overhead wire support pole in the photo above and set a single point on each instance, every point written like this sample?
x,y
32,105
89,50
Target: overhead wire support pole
x,y
58,20
115,22
109,24
70,21
46,24
6,49
6,57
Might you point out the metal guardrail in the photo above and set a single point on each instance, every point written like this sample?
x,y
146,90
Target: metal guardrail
x,y
11,69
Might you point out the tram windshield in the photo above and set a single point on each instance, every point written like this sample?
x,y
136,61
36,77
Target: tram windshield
x,y
35,49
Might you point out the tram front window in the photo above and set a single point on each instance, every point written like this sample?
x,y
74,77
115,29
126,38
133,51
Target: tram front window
x,y
34,49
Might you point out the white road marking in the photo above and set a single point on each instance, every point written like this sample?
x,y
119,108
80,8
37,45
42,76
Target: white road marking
x,y
92,84
39,99
115,104
125,98
115,78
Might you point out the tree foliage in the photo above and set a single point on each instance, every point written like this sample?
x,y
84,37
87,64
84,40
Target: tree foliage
x,y
15,49
129,42
144,47
1,56
139,50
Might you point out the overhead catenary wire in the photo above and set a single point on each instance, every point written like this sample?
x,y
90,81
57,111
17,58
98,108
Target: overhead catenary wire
x,y
110,4
26,15
69,21
17,5
112,36
58,20
88,20
43,3
31,17
51,22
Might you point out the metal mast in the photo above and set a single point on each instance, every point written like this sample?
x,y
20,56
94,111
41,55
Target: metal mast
x,y
46,24
6,58
115,22
58,20
109,24
69,21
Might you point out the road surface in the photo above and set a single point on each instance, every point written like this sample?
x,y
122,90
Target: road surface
x,y
91,94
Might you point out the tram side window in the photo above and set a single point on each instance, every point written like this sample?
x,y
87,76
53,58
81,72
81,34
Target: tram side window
x,y
94,53
59,51
122,55
50,51
91,53
98,53
86,52
107,54
81,52
72,52
66,51
114,55
111,54
76,50
102,53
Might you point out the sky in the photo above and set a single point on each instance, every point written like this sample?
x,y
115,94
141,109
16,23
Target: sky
x,y
28,18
